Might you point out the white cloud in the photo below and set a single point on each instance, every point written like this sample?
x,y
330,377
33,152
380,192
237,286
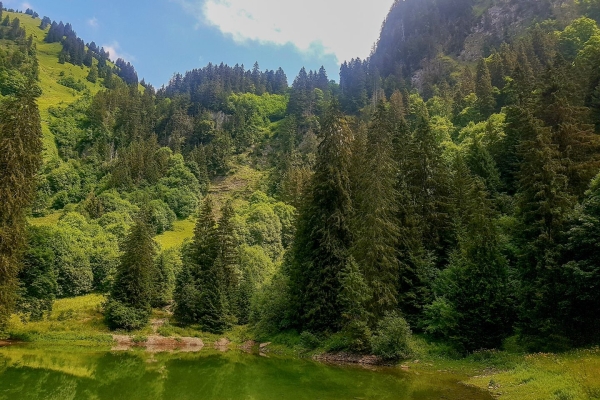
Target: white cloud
x,y
346,29
25,6
93,22
115,52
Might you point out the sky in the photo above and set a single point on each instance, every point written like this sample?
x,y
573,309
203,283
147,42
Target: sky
x,y
163,37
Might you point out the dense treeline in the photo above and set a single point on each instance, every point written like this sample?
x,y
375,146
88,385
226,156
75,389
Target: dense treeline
x,y
76,52
423,193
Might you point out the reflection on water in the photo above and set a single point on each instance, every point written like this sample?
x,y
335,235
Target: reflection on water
x,y
27,372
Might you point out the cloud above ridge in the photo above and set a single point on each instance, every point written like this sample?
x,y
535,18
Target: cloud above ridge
x,y
344,29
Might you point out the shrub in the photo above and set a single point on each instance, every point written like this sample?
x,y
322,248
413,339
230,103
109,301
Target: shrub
x,y
309,341
71,83
392,338
121,316
160,216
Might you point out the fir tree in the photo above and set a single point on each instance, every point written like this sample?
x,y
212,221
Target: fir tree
x,y
130,300
93,74
20,159
579,309
543,202
323,239
471,307
375,223
484,91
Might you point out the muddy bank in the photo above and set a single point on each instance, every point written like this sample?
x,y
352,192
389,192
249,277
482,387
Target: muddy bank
x,y
157,344
5,343
349,358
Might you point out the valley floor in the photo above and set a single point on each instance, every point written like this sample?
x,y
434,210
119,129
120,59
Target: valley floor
x,y
506,375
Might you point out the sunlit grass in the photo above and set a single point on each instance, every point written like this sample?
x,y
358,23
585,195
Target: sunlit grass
x,y
569,376
182,230
53,94
48,220
77,319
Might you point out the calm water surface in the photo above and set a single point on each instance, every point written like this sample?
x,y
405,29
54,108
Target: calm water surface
x,y
29,372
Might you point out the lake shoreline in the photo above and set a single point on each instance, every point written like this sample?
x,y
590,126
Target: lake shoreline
x,y
78,323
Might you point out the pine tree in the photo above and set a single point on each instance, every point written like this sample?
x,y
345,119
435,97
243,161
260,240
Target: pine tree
x,y
198,259
226,266
205,240
20,159
423,197
93,74
375,223
323,239
465,86
471,307
130,300
202,292
355,296
543,202
558,106
486,102
133,282
579,309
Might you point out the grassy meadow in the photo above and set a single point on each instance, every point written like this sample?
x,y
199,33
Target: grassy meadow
x,y
53,93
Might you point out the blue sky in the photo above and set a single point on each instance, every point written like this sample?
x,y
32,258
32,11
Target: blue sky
x,y
162,37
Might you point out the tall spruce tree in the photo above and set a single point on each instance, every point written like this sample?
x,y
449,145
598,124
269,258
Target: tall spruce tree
x,y
484,91
130,300
543,202
375,223
471,307
323,239
198,258
226,266
20,159
579,310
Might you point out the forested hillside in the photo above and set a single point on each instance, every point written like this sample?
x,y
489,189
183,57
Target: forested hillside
x,y
447,186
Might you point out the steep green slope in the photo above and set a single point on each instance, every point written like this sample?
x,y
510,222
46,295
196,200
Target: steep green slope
x,y
51,71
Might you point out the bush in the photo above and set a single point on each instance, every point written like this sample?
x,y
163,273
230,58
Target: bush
x,y
392,338
160,216
309,341
71,83
121,316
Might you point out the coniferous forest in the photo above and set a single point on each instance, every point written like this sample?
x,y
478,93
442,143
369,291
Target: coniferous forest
x,y
448,187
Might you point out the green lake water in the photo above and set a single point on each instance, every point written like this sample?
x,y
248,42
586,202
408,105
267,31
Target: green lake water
x,y
29,372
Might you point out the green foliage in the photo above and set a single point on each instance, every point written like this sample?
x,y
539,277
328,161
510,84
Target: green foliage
x,y
355,298
253,114
70,82
38,276
160,216
120,315
168,265
483,89
392,338
375,221
579,307
323,239
574,37
206,291
271,306
93,74
20,158
134,288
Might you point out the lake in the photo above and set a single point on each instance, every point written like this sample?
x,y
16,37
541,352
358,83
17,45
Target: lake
x,y
57,373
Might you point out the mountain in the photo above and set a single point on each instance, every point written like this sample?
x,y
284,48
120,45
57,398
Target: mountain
x,y
446,184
